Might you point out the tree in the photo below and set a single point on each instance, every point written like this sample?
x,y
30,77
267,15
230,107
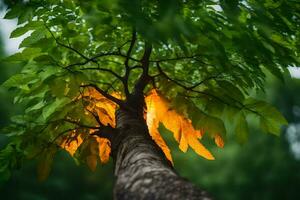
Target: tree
x,y
100,77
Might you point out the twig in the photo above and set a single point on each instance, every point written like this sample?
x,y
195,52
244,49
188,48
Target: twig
x,y
144,78
126,62
242,106
176,58
105,94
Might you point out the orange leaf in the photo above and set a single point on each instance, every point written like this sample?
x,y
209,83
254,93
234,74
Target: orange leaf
x,y
158,110
71,145
219,141
104,149
91,161
45,163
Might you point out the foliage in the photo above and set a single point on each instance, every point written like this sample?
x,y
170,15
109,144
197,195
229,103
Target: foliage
x,y
204,58
229,177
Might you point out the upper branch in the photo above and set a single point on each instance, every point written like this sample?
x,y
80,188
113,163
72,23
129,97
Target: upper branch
x,y
64,45
94,58
132,42
176,58
204,80
126,62
144,78
146,57
105,70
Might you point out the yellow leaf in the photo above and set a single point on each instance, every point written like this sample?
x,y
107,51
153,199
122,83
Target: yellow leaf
x,y
71,145
219,141
153,124
45,163
104,149
199,148
158,110
99,104
91,161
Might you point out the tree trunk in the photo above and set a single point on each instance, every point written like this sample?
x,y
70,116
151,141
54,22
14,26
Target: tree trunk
x,y
141,169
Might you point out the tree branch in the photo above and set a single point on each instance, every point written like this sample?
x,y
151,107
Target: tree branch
x,y
107,132
144,78
66,46
94,58
126,63
105,94
79,124
105,70
176,58
146,57
204,80
62,133
132,42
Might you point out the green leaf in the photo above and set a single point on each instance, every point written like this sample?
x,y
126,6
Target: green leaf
x,y
19,31
10,158
33,38
45,59
271,119
202,120
19,81
25,55
232,90
14,12
25,15
24,29
48,73
276,72
32,150
272,122
268,46
55,106
58,87
241,128
37,106
280,40
212,125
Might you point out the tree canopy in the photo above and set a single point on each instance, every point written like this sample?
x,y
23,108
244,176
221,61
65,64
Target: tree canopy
x,y
196,62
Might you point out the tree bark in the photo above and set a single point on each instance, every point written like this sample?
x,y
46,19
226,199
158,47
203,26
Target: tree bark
x,y
141,169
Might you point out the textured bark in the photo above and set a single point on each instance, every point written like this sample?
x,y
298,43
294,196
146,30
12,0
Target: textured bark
x,y
141,169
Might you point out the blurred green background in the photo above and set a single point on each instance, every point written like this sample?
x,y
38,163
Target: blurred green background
x,y
266,167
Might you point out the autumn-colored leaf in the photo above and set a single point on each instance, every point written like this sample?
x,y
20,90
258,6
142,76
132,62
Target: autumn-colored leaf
x,y
45,163
71,145
103,107
158,110
104,149
91,161
219,141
